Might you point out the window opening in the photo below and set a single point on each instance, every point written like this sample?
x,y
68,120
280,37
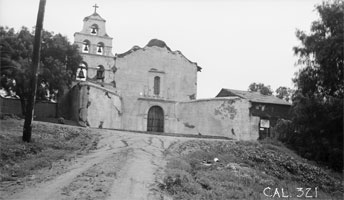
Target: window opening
x,y
157,85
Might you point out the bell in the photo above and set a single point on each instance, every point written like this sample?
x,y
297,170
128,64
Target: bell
x,y
81,74
86,48
99,49
99,75
93,31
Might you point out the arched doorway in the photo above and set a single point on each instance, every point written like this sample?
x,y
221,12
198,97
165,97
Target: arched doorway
x,y
155,121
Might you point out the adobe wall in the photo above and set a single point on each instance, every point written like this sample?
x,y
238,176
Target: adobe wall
x,y
136,71
135,79
228,117
96,106
94,60
140,117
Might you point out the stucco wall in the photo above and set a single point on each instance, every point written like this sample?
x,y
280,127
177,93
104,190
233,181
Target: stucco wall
x,y
135,79
93,61
227,117
79,39
96,106
136,71
168,107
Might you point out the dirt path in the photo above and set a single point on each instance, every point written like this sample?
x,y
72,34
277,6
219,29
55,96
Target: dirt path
x,y
125,166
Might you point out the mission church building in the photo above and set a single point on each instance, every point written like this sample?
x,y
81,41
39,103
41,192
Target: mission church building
x,y
151,88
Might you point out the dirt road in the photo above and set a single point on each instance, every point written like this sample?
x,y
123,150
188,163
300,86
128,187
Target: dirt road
x,y
124,166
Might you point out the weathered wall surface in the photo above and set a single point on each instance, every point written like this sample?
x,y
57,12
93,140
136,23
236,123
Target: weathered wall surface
x,y
136,71
228,117
93,61
143,107
135,79
96,106
42,109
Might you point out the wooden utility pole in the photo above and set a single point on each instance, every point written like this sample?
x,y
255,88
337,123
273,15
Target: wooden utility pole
x,y
35,65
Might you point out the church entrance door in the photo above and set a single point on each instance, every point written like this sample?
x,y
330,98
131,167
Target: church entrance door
x,y
155,121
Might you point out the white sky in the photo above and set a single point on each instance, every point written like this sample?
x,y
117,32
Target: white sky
x,y
235,42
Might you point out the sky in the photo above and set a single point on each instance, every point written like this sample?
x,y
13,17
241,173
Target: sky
x,y
236,42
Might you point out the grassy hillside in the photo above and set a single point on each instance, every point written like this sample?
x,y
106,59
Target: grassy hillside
x,y
50,143
243,171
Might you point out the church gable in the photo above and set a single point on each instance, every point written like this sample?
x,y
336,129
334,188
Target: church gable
x,y
160,44
156,71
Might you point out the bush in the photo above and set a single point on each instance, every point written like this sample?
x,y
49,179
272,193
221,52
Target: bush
x,y
284,129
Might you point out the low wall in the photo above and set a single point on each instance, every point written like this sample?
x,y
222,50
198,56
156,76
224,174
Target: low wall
x,y
225,117
42,109
228,117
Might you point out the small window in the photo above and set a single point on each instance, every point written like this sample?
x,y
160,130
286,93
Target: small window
x,y
86,46
157,85
100,72
100,48
94,29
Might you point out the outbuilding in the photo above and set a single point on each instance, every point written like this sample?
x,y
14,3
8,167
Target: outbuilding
x,y
267,107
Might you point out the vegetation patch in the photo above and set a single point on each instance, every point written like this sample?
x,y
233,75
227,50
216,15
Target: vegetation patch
x,y
50,143
243,170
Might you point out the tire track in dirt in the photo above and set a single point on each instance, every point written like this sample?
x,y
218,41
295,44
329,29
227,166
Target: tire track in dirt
x,y
125,166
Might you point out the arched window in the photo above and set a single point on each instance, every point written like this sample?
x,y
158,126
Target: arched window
x,y
100,73
157,85
86,46
94,29
100,48
81,72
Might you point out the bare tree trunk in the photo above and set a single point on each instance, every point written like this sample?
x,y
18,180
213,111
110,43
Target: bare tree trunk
x,y
23,105
35,64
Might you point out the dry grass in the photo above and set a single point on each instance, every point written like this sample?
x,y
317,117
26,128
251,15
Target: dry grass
x,y
50,142
244,171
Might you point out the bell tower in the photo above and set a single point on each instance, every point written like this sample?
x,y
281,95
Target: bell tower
x,y
95,47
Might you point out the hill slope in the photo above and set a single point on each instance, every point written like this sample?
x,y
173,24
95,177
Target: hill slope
x,y
245,170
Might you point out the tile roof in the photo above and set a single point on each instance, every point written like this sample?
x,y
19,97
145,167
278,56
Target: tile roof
x,y
252,96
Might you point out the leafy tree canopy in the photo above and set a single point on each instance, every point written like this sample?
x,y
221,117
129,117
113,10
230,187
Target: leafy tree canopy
x,y
59,60
318,100
260,87
321,53
284,93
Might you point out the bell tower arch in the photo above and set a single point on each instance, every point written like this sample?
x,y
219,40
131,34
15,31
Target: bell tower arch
x,y
95,47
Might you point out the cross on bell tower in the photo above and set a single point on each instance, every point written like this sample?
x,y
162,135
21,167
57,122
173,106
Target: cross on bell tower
x,y
95,7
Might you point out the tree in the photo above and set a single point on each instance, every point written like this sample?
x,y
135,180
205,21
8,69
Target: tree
x,y
284,93
318,100
260,87
59,60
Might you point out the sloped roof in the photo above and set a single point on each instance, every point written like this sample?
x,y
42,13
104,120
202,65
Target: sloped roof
x,y
252,96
